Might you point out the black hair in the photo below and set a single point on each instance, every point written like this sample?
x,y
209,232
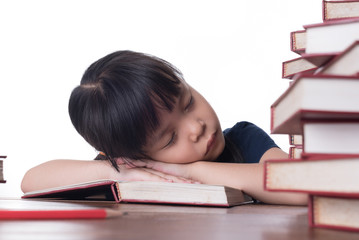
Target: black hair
x,y
115,107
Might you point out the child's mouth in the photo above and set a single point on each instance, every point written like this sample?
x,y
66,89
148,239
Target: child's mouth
x,y
211,142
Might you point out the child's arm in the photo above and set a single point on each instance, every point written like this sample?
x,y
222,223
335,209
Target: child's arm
x,y
247,177
64,172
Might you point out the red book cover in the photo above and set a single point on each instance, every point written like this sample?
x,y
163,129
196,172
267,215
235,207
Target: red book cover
x,y
103,190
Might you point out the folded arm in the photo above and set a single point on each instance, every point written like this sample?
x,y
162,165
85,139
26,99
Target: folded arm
x,y
247,177
57,173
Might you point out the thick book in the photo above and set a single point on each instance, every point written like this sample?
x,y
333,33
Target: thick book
x,y
307,63
295,140
345,63
330,137
340,213
334,10
2,180
332,36
147,192
315,97
298,41
295,152
326,175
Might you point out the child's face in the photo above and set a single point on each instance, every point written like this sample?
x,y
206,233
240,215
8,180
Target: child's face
x,y
190,133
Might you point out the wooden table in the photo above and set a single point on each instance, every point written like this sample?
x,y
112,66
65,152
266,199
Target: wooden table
x,y
141,221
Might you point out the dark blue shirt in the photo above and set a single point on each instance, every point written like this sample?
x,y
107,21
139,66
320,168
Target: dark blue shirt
x,y
251,141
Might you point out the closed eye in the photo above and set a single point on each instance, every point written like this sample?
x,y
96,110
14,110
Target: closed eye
x,y
171,141
190,103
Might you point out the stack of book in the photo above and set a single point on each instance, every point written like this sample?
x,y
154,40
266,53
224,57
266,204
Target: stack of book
x,y
321,105
2,180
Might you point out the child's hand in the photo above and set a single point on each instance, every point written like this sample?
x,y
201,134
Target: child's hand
x,y
178,170
133,173
128,163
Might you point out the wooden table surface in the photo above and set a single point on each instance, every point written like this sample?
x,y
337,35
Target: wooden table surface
x,y
148,221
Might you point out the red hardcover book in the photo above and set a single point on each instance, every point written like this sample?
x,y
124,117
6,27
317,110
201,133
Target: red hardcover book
x,y
345,63
307,63
295,140
295,152
147,192
332,36
341,213
315,97
330,137
335,10
328,175
298,41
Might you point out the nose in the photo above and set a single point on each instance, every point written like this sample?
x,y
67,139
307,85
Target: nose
x,y
196,128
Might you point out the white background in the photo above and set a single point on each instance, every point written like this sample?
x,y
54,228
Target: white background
x,y
230,51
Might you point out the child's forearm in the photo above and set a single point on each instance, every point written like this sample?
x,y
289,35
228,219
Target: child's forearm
x,y
57,173
63,172
247,177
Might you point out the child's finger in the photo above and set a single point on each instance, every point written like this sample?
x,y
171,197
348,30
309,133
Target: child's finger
x,y
128,163
119,160
137,163
171,177
148,176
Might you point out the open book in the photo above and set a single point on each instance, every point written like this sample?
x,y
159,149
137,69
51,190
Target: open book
x,y
146,192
